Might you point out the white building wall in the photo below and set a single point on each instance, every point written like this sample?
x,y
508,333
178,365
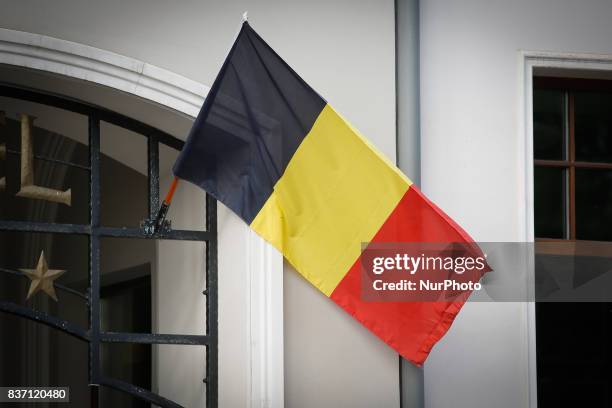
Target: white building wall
x,y
470,90
345,50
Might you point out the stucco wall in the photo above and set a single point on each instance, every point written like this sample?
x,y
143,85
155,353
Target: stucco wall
x,y
470,90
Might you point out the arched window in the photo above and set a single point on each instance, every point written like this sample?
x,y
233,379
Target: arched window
x,y
68,203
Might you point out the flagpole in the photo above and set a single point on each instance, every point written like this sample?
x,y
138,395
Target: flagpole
x,y
163,209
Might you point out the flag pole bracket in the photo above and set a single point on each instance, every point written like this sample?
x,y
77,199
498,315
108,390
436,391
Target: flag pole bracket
x,y
159,225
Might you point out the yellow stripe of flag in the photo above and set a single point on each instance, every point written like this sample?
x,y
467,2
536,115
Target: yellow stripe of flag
x,y
336,193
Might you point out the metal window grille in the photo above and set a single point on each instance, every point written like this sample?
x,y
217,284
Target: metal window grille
x,y
94,336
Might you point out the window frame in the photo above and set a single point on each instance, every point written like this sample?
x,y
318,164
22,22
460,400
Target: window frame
x,y
569,245
569,86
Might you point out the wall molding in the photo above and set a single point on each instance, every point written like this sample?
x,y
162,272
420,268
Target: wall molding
x,y
264,271
265,381
570,60
528,62
103,67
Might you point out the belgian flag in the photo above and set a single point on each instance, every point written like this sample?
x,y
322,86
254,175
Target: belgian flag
x,y
275,152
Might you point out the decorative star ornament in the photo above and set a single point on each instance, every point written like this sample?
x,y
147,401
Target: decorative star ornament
x,y
42,278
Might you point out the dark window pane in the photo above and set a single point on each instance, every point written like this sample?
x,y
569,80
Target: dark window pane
x,y
126,305
567,378
594,204
66,252
548,124
68,172
125,284
110,397
145,285
593,113
130,363
124,183
549,202
174,372
33,354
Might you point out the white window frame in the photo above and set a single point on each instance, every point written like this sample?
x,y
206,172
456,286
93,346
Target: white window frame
x,y
529,62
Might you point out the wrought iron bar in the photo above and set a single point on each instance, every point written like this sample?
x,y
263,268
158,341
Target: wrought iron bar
x,y
183,235
40,317
51,160
153,173
139,392
154,338
212,324
57,285
94,252
119,232
26,226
